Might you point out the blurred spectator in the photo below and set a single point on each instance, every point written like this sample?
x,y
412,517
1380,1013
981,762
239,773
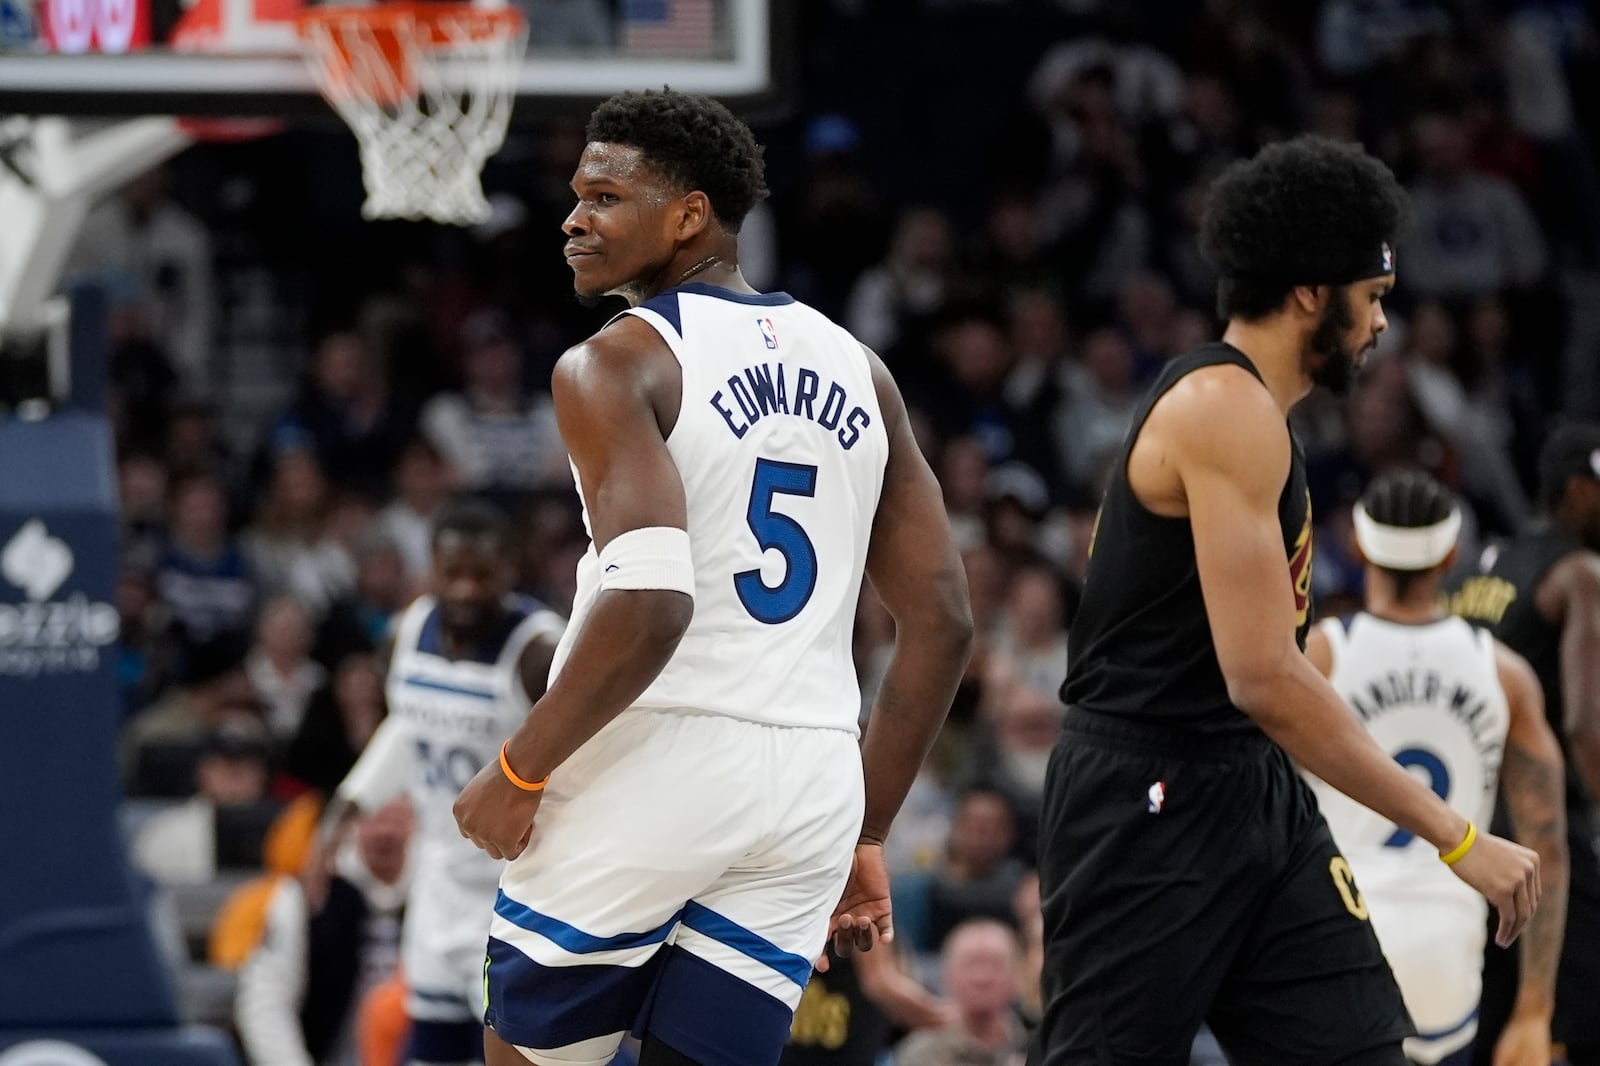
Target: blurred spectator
x,y
1091,423
422,484
280,667
344,414
340,720
847,1013
1011,754
1353,36
1014,515
904,292
359,621
1471,234
1141,83
180,846
964,477
212,683
495,435
836,228
1039,336
193,441
1094,212
142,491
1386,430
967,395
1033,628
979,971
552,538
976,877
204,577
300,989
146,658
167,252
289,545
1475,426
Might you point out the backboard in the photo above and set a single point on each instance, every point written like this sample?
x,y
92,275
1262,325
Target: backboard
x,y
238,57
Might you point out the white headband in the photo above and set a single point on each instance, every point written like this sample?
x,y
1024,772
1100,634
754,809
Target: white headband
x,y
1401,548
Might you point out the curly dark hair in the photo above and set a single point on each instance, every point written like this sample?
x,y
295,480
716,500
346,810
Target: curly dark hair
x,y
694,141
1307,211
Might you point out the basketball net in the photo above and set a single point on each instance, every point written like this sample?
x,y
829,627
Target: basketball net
x,y
427,89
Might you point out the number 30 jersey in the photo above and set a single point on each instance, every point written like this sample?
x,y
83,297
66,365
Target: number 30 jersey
x,y
447,719
781,447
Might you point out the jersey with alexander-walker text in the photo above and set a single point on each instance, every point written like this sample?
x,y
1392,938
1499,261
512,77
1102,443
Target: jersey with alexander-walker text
x,y
781,447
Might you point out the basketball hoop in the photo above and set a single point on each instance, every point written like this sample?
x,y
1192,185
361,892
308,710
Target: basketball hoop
x,y
427,88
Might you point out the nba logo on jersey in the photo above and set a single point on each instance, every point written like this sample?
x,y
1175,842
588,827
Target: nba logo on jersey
x,y
768,334
1156,797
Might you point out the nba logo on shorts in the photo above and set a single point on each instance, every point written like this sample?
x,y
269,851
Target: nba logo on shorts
x,y
1156,797
768,334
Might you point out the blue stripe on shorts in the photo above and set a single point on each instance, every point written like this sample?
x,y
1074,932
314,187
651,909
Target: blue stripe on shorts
x,y
570,938
704,920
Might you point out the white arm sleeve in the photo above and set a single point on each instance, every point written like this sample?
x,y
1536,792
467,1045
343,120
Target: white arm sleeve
x,y
384,769
272,985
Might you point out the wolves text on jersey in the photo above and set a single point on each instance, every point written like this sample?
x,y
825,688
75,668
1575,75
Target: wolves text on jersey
x,y
773,389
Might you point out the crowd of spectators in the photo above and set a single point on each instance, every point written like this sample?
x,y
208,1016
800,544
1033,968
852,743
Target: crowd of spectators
x,y
1024,287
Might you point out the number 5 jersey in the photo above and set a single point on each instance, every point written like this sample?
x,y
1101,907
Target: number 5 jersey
x,y
781,447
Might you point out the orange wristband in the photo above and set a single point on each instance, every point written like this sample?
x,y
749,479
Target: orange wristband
x,y
511,775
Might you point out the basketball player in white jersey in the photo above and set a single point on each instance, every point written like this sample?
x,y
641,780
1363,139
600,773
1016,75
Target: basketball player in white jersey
x,y
702,818
468,659
1463,711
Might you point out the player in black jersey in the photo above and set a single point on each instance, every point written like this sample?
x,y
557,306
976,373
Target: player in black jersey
x,y
1187,875
1540,594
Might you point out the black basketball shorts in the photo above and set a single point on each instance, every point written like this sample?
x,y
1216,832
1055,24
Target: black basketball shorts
x,y
1190,878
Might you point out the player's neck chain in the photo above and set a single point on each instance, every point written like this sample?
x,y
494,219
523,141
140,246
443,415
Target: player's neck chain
x,y
710,260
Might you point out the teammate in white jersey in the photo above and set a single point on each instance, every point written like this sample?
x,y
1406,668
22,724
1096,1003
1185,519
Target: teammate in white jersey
x,y
742,462
1463,711
467,661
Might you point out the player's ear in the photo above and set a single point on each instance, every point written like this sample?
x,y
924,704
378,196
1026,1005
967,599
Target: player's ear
x,y
695,214
1449,561
1308,298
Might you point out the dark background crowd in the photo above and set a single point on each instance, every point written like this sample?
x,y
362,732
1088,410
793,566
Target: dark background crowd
x,y
1002,199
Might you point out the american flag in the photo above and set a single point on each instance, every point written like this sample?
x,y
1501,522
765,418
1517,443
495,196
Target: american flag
x,y
668,27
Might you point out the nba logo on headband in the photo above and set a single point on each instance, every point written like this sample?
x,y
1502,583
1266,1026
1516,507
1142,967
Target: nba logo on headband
x,y
1388,258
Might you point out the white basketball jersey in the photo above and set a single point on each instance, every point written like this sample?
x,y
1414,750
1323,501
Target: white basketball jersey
x,y
447,720
1430,696
781,447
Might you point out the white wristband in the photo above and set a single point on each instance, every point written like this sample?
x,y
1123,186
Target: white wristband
x,y
655,557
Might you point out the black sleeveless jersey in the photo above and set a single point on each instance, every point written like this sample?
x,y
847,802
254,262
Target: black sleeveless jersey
x,y
1502,598
1140,645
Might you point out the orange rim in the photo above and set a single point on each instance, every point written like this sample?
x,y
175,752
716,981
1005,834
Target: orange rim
x,y
387,25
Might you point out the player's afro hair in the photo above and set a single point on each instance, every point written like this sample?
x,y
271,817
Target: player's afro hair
x,y
1308,211
694,141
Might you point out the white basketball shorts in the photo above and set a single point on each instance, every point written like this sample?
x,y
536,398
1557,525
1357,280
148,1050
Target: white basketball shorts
x,y
679,881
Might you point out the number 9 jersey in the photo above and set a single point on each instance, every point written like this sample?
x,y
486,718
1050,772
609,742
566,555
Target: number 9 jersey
x,y
781,446
1430,695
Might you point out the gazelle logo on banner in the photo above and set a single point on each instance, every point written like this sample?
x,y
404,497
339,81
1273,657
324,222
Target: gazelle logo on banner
x,y
78,26
49,1053
44,635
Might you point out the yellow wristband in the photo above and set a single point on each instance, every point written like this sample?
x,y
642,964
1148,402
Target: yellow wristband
x,y
526,786
1459,852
